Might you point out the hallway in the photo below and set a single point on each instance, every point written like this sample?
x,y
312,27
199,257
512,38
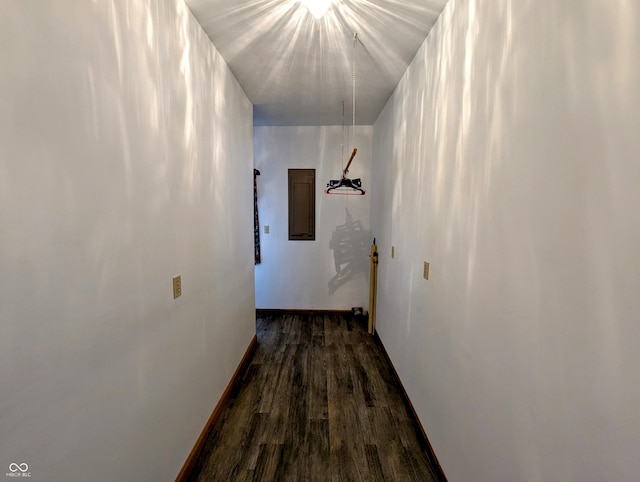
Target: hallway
x,y
318,401
504,159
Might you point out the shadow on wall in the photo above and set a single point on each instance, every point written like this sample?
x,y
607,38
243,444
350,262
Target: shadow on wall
x,y
350,245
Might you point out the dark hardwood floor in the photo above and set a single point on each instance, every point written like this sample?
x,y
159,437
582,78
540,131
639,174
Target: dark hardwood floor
x,y
318,402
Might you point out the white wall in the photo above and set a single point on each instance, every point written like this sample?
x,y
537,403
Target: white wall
x,y
125,159
303,274
513,144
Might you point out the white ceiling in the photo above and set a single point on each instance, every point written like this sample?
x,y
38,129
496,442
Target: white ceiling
x,y
297,70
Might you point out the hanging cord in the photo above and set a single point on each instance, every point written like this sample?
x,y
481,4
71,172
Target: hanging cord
x,y
342,145
355,42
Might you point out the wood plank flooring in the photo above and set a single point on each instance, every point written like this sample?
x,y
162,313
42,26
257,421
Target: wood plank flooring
x,y
318,402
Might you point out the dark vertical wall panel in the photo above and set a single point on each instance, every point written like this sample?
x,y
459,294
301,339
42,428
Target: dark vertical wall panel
x,y
302,204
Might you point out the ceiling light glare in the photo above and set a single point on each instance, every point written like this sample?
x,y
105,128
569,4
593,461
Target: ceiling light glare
x,y
317,7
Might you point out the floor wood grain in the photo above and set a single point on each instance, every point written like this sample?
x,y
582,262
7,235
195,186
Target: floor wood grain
x,y
318,402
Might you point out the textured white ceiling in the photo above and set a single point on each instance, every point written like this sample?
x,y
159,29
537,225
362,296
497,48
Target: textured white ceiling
x,y
297,70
